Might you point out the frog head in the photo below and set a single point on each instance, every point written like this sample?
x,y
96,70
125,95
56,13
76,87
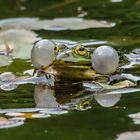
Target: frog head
x,y
77,54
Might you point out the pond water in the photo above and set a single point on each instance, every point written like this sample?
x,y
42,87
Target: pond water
x,y
82,114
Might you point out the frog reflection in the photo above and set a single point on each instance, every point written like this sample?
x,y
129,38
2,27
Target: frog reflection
x,y
107,100
45,97
86,102
81,104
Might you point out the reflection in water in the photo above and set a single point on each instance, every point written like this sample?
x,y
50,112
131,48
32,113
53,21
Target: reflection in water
x,y
80,103
106,100
83,105
49,101
108,95
52,101
44,97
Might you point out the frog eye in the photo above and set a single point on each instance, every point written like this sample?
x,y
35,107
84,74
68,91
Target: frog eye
x,y
80,50
57,49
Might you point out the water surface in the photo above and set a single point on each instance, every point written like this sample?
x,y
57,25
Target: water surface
x,y
117,24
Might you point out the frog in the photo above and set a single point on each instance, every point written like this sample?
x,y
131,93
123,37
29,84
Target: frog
x,y
75,63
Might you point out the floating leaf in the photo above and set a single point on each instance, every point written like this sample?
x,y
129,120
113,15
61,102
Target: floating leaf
x,y
122,91
135,135
92,86
133,58
59,24
18,118
29,115
34,80
130,77
116,0
56,24
101,90
13,83
96,86
7,123
5,60
2,111
32,112
21,23
29,72
119,85
131,65
18,41
86,43
54,111
135,117
136,51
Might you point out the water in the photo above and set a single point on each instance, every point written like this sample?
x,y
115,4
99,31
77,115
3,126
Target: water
x,y
117,24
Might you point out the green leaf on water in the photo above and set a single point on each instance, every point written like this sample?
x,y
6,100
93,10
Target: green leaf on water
x,y
119,85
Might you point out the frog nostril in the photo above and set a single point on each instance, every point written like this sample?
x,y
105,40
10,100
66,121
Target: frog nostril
x,y
55,48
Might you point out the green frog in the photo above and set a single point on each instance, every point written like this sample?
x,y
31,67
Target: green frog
x,y
74,63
